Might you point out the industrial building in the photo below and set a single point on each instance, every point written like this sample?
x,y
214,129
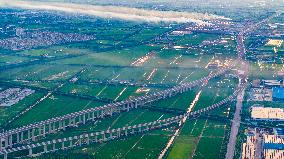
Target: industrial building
x,y
272,83
273,147
278,94
262,145
248,148
267,113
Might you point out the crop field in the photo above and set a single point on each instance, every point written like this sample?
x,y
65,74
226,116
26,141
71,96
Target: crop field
x,y
10,112
123,61
198,135
267,49
7,59
265,70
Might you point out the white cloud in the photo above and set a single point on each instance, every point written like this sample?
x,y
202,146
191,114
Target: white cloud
x,y
125,13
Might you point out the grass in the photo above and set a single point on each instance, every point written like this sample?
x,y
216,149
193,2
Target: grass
x,y
179,101
142,146
198,135
208,148
8,113
118,44
183,147
54,106
8,59
40,72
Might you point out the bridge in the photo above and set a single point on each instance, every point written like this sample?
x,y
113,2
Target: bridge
x,y
34,131
107,135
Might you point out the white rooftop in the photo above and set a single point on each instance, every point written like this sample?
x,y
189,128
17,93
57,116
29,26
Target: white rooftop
x,y
267,113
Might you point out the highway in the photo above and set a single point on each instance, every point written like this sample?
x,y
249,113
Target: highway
x,y
247,30
107,135
100,112
244,67
235,126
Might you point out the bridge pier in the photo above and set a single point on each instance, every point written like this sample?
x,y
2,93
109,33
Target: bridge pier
x,y
59,125
88,140
84,119
18,138
70,122
111,134
74,121
10,142
1,142
80,119
49,128
33,134
127,108
30,152
71,143
88,116
118,132
53,145
110,111
45,148
103,136
22,136
29,134
147,128
125,131
93,116
62,145
5,155
44,130
53,127
133,130
39,129
63,125
80,141
96,137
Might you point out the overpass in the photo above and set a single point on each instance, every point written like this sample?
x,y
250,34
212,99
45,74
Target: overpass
x,y
34,131
107,135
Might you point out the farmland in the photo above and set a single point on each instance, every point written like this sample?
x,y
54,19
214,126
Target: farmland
x,y
114,88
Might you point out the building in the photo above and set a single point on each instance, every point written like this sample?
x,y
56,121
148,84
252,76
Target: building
x,y
260,94
278,94
12,96
278,131
267,113
272,83
273,154
248,148
256,83
261,145
273,147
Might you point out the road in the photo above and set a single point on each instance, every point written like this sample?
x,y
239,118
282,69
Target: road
x,y
244,66
248,29
177,132
235,126
258,149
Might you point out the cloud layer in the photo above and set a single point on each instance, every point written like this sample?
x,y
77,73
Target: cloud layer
x,y
124,13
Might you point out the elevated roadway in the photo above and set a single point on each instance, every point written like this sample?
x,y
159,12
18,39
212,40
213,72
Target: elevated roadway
x,y
107,135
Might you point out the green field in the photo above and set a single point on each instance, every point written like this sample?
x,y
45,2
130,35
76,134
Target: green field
x,y
125,60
